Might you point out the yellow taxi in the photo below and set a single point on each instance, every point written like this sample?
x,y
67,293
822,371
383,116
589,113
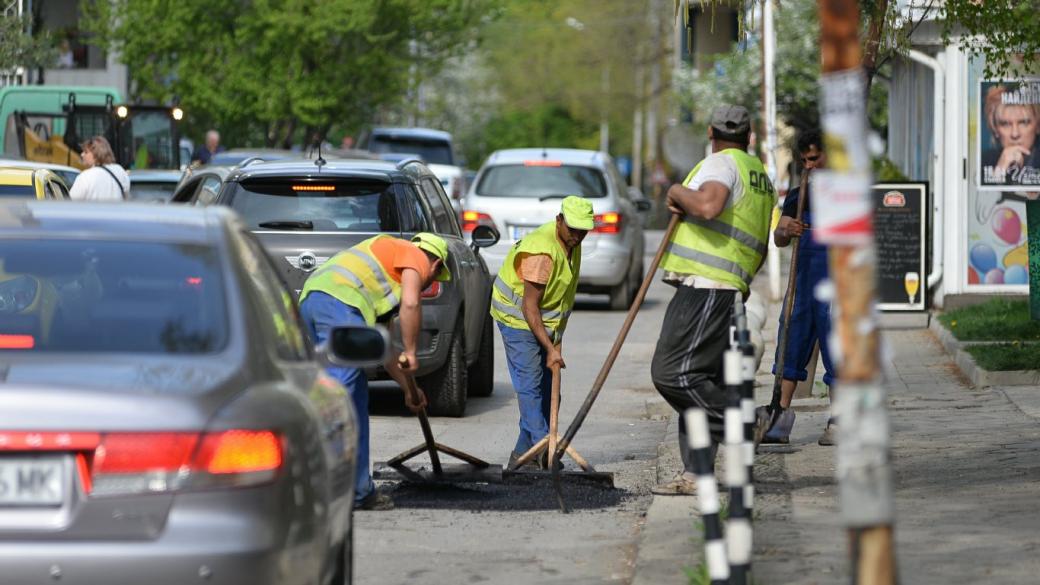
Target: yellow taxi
x,y
40,184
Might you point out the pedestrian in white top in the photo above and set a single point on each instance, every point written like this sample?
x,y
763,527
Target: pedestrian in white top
x,y
104,180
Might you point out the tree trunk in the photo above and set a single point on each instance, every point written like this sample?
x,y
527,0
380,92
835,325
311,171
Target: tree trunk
x,y
872,45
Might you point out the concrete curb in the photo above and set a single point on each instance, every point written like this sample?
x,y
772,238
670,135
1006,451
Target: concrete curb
x,y
979,376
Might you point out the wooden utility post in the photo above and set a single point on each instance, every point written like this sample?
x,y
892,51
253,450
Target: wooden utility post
x,y
843,219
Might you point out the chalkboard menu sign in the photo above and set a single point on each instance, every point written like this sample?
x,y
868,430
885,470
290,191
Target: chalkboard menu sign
x,y
900,236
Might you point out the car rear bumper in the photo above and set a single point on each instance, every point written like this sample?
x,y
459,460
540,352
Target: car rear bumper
x,y
434,340
208,538
605,265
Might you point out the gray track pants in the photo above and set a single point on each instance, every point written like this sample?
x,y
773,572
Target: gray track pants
x,y
687,364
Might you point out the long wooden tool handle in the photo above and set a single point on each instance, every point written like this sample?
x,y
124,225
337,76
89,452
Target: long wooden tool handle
x,y
609,363
424,422
792,287
554,416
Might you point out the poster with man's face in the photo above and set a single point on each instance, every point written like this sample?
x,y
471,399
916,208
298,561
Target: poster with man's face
x,y
1009,123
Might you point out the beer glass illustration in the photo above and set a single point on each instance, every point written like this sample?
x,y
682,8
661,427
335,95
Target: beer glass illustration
x,y
911,282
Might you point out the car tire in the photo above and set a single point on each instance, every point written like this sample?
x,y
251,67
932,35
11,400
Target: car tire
x,y
446,388
344,574
637,281
481,375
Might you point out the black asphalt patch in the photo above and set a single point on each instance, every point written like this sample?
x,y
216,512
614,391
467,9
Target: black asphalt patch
x,y
517,493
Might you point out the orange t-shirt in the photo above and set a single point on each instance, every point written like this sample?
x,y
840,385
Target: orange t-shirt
x,y
396,254
535,268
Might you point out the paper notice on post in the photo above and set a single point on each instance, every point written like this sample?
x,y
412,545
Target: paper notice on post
x,y
843,112
841,208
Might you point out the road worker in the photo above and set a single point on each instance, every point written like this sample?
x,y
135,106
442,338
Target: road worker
x,y
531,301
726,203
810,318
356,287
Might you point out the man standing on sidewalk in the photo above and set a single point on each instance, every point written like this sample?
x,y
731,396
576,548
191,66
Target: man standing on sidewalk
x,y
531,300
810,318
357,286
727,201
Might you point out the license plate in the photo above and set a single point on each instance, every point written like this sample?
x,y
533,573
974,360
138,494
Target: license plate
x,y
519,231
32,481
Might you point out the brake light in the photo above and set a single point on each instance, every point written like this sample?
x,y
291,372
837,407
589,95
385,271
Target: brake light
x,y
131,463
471,219
17,342
607,223
313,187
433,291
240,452
543,163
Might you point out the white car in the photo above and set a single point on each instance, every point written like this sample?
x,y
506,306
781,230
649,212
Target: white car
x,y
518,190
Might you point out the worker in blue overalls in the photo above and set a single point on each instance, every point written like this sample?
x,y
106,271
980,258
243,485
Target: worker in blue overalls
x,y
810,317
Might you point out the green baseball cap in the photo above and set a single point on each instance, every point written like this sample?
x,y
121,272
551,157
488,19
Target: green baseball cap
x,y
577,213
435,245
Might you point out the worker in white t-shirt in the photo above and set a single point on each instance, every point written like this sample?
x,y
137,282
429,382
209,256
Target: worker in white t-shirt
x,y
104,179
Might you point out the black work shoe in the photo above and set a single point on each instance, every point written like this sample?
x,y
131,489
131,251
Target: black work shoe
x,y
376,501
543,462
529,466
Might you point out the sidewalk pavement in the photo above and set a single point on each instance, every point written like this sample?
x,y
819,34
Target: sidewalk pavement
x,y
966,467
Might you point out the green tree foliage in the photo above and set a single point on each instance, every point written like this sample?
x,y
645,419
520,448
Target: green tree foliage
x,y
20,49
276,71
1006,32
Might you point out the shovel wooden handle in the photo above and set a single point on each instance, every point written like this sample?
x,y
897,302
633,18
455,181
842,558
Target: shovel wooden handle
x,y
424,421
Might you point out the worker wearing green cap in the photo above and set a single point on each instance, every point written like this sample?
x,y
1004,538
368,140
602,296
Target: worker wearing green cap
x,y
531,301
357,286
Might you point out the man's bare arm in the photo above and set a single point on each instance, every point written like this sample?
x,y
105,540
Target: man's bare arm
x,y
708,202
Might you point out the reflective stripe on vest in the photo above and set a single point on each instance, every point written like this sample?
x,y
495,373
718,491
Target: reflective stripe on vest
x,y
515,307
731,231
381,276
705,258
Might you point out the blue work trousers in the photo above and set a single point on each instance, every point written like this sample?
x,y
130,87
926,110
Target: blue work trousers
x,y
320,313
532,381
810,321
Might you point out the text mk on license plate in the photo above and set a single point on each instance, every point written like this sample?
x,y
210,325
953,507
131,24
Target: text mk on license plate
x,y
27,481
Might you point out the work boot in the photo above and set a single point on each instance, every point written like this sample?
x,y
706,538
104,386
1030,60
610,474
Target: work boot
x,y
780,434
684,484
829,436
375,501
529,466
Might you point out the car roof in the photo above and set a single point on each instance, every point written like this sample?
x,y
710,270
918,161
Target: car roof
x,y
31,164
155,175
113,220
16,176
567,156
399,132
306,168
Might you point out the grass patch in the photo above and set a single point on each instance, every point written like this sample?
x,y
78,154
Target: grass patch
x,y
998,357
994,320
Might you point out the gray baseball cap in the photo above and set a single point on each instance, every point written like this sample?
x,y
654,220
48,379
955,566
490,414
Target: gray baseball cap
x,y
731,119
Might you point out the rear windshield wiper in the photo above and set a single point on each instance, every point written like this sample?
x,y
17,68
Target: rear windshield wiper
x,y
286,224
553,196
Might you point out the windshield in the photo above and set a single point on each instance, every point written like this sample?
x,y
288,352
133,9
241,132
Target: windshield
x,y
17,191
110,296
151,190
341,206
541,181
433,151
148,140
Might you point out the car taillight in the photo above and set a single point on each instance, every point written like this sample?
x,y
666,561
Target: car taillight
x,y
129,463
433,291
607,223
471,219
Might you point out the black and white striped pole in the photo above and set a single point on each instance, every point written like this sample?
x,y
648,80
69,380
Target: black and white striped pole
x,y
738,527
707,495
748,369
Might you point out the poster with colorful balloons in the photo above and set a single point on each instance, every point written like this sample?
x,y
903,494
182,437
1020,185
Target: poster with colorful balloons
x,y
997,250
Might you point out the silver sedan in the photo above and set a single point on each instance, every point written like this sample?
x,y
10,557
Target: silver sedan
x,y
163,418
518,190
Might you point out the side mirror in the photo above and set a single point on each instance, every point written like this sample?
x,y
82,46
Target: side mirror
x,y
643,204
484,236
639,200
356,346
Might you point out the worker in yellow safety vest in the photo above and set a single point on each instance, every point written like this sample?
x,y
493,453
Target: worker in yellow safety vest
x,y
726,203
357,286
531,301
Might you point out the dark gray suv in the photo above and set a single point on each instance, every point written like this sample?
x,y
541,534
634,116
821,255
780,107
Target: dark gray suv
x,y
305,211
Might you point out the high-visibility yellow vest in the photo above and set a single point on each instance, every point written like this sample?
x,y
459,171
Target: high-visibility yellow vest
x,y
357,278
730,248
558,300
